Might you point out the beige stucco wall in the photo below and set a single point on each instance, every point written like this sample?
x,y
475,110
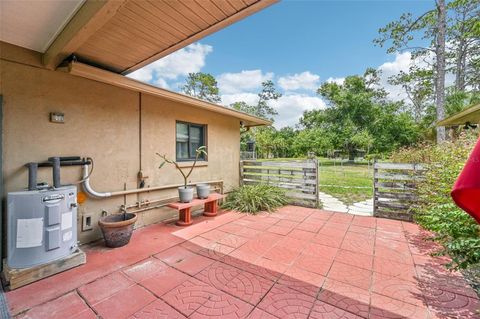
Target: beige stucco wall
x,y
103,122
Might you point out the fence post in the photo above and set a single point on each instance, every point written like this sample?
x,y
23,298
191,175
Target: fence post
x,y
241,173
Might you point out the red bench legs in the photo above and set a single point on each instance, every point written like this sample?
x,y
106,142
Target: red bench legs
x,y
210,209
185,217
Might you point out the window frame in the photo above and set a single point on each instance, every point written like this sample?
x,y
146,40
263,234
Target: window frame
x,y
204,135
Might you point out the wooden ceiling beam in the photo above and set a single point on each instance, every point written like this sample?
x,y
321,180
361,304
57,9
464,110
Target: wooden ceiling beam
x,y
91,16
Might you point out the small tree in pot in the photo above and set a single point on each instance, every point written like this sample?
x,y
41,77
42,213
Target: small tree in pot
x,y
185,193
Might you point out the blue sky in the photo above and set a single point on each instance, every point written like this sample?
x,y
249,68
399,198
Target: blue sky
x,y
298,45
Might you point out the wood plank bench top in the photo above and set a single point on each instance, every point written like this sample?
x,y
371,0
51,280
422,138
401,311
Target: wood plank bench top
x,y
184,209
196,201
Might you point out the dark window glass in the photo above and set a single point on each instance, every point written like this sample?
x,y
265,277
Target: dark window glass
x,y
189,138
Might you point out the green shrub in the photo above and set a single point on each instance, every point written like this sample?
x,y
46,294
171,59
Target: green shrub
x,y
255,198
454,229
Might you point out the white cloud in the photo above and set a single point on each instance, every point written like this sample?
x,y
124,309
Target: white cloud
x,y
249,98
161,82
402,62
244,81
180,63
299,81
339,81
291,107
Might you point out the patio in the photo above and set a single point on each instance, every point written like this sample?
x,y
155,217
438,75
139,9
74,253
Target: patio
x,y
295,263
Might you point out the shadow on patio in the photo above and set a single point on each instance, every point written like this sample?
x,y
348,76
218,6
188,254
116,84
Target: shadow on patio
x,y
295,263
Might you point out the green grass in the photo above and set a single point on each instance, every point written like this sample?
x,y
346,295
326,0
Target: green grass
x,y
349,182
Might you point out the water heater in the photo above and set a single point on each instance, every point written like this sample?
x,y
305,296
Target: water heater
x,y
42,225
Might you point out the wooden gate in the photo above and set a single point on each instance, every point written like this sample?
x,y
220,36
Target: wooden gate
x,y
298,177
394,189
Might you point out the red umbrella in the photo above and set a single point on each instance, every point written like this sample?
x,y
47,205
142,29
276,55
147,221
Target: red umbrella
x,y
466,191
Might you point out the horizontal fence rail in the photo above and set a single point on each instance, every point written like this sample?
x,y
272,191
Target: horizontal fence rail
x,y
244,155
299,178
394,189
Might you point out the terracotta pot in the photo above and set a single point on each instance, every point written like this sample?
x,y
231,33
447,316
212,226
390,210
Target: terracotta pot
x,y
116,230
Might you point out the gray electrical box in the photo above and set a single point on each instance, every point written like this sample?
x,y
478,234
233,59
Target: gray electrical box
x,y
42,226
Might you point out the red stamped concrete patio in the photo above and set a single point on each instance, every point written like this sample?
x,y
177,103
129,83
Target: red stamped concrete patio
x,y
295,263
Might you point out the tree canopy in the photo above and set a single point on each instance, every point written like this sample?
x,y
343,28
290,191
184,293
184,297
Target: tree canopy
x,y
358,117
202,86
452,31
262,108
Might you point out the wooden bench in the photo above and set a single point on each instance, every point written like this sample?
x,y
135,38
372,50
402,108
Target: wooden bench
x,y
184,209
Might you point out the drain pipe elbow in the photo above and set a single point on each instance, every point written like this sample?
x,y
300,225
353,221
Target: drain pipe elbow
x,y
88,189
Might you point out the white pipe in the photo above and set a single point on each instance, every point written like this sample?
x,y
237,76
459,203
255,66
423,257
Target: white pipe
x,y
88,188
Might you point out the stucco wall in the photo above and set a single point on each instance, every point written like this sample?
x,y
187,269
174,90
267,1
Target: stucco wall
x,y
103,122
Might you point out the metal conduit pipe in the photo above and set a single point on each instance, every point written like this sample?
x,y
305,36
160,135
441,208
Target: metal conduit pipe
x,y
147,208
90,191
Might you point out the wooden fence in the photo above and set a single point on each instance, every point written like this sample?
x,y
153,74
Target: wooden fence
x,y
298,177
394,189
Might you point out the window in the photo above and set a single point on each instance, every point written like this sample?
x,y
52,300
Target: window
x,y
189,138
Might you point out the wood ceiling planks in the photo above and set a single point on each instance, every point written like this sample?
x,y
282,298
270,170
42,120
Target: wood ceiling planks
x,y
143,31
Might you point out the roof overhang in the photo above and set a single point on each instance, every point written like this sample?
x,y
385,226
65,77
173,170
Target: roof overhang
x,y
35,24
470,115
124,35
96,74
117,35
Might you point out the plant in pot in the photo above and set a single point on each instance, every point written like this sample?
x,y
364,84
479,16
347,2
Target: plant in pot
x,y
185,193
117,228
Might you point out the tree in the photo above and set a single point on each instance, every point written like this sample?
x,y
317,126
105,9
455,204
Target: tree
x,y
315,140
440,66
359,116
244,107
418,85
463,34
202,86
262,108
452,32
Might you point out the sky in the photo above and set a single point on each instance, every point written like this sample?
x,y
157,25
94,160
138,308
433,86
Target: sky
x,y
298,44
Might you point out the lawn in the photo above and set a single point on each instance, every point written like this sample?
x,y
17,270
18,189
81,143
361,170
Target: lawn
x,y
349,182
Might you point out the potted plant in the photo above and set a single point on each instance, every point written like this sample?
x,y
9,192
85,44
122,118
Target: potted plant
x,y
117,228
185,193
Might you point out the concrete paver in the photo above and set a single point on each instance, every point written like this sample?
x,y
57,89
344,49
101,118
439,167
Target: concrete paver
x,y
294,263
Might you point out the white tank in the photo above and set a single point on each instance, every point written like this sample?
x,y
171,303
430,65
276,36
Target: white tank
x,y
41,226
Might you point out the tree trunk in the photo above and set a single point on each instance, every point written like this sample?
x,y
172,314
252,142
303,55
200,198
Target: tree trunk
x,y
460,68
440,68
461,56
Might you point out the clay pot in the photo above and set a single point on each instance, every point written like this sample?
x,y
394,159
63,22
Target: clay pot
x,y
117,229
